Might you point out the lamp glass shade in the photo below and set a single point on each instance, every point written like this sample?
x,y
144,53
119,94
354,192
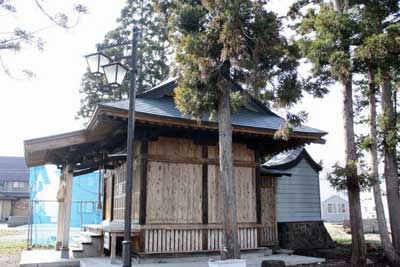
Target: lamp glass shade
x,y
115,73
95,61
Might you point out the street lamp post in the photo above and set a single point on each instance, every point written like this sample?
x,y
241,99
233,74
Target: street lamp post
x,y
115,73
127,243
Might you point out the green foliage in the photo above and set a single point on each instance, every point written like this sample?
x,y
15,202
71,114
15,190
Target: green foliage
x,y
230,44
292,121
391,136
152,57
338,177
363,38
326,36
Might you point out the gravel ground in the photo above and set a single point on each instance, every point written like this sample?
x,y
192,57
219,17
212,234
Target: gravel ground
x,y
10,260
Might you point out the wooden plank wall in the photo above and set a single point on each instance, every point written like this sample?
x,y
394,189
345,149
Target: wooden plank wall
x,y
174,220
174,189
269,230
119,188
245,187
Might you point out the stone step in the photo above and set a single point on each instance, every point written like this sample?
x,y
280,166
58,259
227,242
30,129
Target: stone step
x,y
91,234
284,251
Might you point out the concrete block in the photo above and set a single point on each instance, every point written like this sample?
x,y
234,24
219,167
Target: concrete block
x,y
14,221
272,263
268,252
227,263
46,258
284,251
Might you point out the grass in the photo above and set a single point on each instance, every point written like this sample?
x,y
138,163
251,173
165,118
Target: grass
x,y
339,235
4,232
12,247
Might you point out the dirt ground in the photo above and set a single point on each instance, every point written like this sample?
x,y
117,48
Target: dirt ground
x,y
340,255
12,242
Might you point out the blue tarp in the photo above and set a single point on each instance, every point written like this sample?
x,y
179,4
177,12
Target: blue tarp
x,y
85,209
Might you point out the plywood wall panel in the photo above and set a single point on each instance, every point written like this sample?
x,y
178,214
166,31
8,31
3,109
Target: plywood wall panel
x,y
240,152
174,193
175,147
245,195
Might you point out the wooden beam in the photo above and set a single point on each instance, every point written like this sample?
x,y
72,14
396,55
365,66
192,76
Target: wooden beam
x,y
204,196
143,181
143,191
258,190
189,160
112,197
68,172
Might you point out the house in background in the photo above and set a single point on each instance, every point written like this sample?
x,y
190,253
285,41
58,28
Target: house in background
x,y
367,200
298,204
14,190
335,209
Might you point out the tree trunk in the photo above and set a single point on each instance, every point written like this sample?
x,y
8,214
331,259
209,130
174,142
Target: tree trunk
x,y
390,170
358,255
358,252
230,248
387,245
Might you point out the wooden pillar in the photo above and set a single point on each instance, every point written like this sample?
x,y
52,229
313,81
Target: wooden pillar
x,y
60,223
68,174
258,196
204,197
144,149
143,181
112,198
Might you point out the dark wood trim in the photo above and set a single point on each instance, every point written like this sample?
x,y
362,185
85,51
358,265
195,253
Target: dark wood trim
x,y
112,197
188,160
204,195
258,191
105,195
144,148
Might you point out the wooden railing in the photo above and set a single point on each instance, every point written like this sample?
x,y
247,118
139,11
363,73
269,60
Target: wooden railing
x,y
191,238
268,235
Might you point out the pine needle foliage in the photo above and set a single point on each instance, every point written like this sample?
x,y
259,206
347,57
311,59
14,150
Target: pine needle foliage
x,y
153,55
236,44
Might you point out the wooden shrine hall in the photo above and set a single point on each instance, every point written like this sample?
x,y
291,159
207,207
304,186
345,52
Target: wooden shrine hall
x,y
176,205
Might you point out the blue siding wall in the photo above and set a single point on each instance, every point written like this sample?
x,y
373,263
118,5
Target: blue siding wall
x,y
298,196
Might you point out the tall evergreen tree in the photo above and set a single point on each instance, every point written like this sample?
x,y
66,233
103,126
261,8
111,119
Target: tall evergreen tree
x,y
375,56
328,31
225,50
153,52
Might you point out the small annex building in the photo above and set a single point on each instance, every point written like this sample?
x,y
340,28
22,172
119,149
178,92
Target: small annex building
x,y
298,204
176,206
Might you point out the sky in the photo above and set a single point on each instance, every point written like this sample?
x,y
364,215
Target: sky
x,y
47,104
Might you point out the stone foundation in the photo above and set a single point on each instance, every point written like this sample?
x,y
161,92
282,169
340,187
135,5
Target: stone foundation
x,y
304,235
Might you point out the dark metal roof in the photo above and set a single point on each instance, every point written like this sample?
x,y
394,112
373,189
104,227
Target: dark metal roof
x,y
13,169
289,159
271,172
158,101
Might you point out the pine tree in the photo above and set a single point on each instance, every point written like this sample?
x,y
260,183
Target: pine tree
x,y
226,50
327,31
376,55
153,52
